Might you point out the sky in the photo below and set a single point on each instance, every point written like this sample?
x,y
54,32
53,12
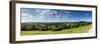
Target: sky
x,y
54,15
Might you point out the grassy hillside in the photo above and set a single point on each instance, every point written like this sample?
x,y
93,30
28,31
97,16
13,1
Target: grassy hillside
x,y
82,29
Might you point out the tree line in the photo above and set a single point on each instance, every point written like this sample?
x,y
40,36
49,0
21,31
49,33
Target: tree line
x,y
48,27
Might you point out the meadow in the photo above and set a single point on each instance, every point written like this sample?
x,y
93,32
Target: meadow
x,y
55,28
83,29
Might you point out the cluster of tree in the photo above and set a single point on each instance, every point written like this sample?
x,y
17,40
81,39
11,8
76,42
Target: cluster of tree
x,y
47,27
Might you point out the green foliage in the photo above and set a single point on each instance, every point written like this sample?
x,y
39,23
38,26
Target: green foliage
x,y
53,27
82,29
26,28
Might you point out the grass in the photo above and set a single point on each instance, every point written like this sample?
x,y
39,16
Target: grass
x,y
82,29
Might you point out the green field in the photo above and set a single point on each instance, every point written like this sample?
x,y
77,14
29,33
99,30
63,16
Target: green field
x,y
82,29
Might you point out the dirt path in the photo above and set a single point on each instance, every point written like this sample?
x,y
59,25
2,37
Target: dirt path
x,y
90,30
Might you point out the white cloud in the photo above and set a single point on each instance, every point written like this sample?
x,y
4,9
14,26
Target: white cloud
x,y
42,16
45,12
31,18
26,18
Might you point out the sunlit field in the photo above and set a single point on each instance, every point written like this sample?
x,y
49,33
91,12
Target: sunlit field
x,y
82,29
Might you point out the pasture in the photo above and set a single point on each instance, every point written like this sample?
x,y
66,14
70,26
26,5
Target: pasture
x,y
82,29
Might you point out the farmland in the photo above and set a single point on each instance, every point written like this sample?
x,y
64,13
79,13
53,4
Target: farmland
x,y
41,28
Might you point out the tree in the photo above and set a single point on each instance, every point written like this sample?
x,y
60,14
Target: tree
x,y
23,28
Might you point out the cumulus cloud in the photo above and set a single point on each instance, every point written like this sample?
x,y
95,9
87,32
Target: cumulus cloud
x,y
40,15
26,18
31,18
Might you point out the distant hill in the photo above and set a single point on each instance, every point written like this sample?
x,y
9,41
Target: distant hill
x,y
50,23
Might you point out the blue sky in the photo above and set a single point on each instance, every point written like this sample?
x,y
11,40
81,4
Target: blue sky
x,y
54,15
